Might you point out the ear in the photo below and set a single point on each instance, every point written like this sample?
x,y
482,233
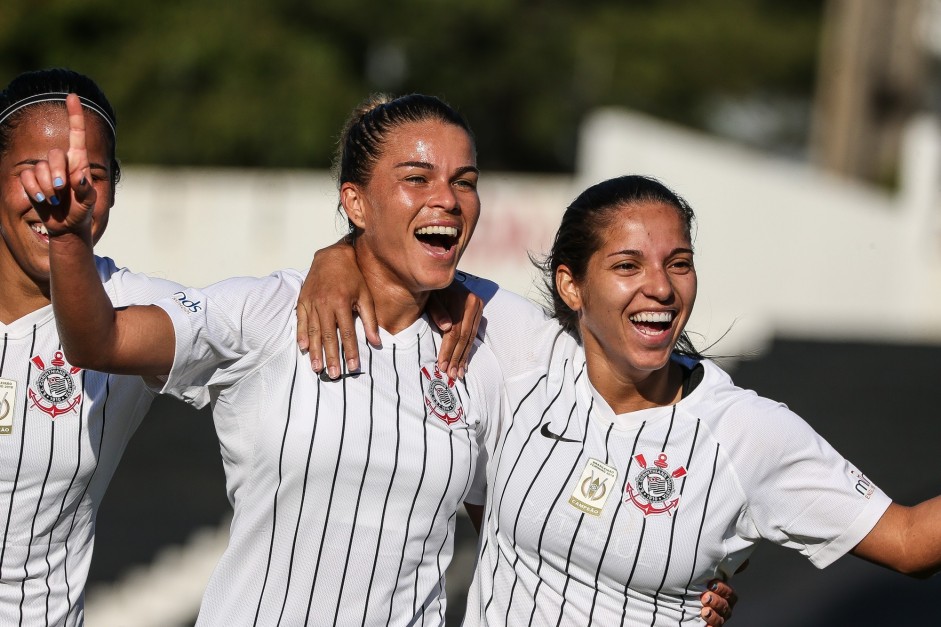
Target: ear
x,y
567,287
352,201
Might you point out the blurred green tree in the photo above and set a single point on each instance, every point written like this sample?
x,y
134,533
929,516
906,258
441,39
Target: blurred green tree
x,y
267,83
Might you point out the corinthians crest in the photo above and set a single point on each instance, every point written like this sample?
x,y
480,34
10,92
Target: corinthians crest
x,y
653,487
440,397
54,390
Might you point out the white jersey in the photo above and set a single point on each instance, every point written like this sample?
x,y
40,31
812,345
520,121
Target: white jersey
x,y
345,492
597,518
62,432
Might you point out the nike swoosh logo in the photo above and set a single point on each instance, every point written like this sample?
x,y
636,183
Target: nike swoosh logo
x,y
554,436
325,377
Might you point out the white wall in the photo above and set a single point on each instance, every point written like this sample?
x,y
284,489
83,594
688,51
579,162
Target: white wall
x,y
781,248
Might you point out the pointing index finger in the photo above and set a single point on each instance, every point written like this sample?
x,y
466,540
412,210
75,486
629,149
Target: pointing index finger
x,y
78,156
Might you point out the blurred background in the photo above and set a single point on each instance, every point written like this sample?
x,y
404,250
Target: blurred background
x,y
805,134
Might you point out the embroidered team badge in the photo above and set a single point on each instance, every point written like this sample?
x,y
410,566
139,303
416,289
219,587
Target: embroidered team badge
x,y
7,399
440,397
55,391
593,487
655,486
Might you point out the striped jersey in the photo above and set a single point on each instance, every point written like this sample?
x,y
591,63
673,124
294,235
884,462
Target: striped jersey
x,y
598,518
62,432
344,492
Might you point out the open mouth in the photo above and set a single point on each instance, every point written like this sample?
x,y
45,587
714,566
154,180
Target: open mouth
x,y
40,229
442,237
653,322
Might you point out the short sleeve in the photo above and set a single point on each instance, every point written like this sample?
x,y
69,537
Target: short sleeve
x,y
801,493
132,288
227,330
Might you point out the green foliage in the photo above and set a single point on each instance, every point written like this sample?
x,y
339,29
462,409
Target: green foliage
x,y
268,83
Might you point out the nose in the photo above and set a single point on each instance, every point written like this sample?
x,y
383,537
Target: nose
x,y
443,197
658,285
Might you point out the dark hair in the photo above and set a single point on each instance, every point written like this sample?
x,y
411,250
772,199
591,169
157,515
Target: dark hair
x,y
581,235
56,80
365,132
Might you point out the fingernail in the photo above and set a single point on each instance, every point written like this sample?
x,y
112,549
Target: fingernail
x,y
333,372
708,598
54,201
57,182
708,612
453,372
714,586
445,365
317,365
351,365
40,197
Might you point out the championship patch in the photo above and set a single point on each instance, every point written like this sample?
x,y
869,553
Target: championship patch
x,y
652,490
440,397
7,402
54,391
593,487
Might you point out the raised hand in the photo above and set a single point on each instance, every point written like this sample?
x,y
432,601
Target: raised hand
x,y
60,186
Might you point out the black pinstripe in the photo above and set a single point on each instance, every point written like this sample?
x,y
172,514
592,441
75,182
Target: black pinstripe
x,y
421,480
359,493
19,466
702,522
274,510
395,466
614,519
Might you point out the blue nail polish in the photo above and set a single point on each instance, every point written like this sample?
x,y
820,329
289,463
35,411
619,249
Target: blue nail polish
x,y
57,182
40,197
54,201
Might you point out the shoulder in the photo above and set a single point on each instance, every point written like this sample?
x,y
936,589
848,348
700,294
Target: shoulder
x,y
132,288
743,419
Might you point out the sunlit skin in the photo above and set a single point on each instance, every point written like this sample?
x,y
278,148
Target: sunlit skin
x,y
24,255
425,177
644,266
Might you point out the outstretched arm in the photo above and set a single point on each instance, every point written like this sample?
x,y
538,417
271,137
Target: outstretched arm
x,y
335,289
136,340
906,539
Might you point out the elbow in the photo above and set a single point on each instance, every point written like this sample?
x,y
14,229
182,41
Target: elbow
x,y
919,571
85,355
83,359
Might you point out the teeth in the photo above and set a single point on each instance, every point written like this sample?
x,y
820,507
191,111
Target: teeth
x,y
651,316
39,228
450,231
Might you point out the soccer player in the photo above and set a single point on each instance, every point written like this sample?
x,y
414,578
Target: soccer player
x,y
63,428
632,470
345,490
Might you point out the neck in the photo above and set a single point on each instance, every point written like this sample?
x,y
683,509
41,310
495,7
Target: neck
x,y
397,307
626,391
21,295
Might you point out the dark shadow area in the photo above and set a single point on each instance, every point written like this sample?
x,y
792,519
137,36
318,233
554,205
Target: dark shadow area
x,y
875,404
169,484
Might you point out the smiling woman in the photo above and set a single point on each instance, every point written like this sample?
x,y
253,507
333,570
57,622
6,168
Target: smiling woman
x,y
345,490
62,429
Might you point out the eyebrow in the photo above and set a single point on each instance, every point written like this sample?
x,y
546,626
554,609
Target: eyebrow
x,y
93,166
427,166
637,253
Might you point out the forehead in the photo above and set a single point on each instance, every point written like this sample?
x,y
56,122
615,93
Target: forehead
x,y
428,141
42,127
637,223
